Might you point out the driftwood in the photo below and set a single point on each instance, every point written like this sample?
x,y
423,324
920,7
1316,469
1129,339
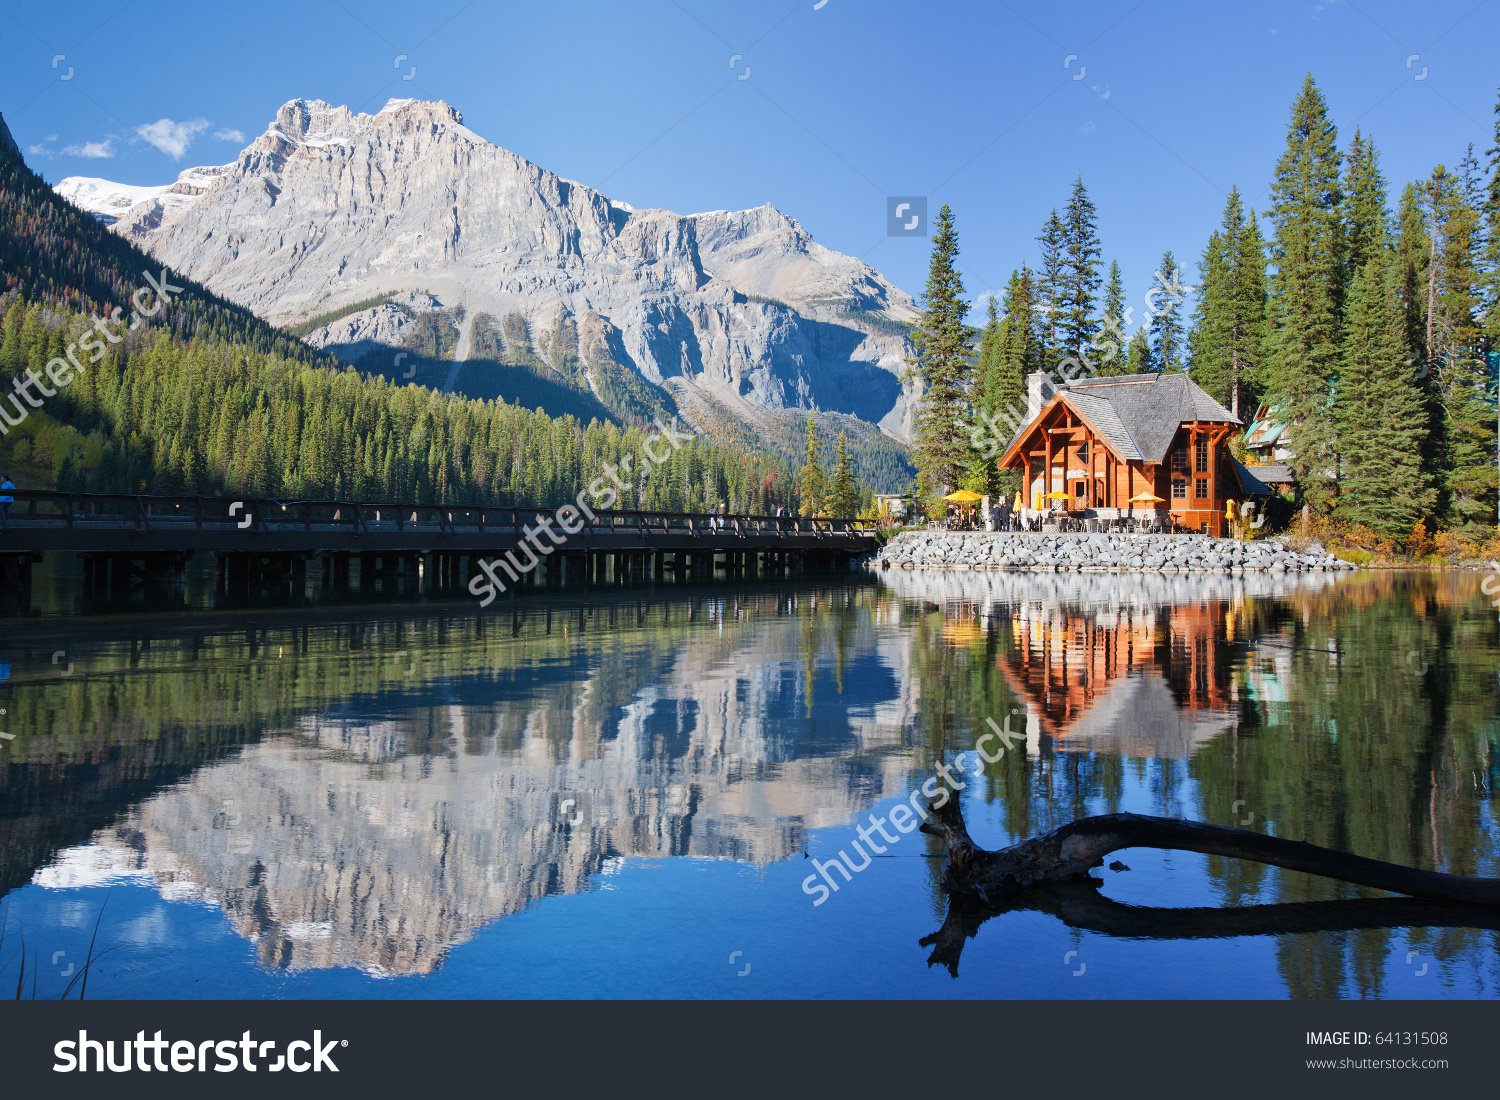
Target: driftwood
x,y
1050,874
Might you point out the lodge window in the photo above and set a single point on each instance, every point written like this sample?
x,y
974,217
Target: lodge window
x,y
1202,456
1179,488
1083,453
1179,460
1200,489
1078,488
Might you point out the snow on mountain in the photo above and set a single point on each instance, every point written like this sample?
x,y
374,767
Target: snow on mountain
x,y
109,202
740,310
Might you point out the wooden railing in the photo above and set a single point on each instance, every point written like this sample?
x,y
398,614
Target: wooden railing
x,y
140,512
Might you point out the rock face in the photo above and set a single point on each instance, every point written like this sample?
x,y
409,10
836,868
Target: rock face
x,y
1120,553
328,208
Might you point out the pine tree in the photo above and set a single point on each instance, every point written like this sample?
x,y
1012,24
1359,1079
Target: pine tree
x,y
811,482
1365,217
1166,321
1455,341
1139,353
1050,289
1229,320
1492,233
1306,291
1080,272
1110,355
1379,410
843,494
943,363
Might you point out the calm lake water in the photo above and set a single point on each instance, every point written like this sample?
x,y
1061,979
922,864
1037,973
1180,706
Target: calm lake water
x,y
622,792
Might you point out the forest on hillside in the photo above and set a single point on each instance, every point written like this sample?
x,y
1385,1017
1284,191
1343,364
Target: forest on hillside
x,y
205,398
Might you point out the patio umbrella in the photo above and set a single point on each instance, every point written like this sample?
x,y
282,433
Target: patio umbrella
x,y
964,496
1058,494
1020,502
1146,498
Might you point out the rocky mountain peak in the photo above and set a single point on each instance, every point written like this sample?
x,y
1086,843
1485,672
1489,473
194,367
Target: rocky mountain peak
x,y
726,310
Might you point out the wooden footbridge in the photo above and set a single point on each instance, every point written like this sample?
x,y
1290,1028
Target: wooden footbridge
x,y
129,539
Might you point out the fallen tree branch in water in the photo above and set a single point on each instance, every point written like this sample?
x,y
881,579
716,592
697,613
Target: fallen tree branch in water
x,y
1070,851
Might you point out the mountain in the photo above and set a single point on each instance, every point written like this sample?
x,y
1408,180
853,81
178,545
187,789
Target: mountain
x,y
331,217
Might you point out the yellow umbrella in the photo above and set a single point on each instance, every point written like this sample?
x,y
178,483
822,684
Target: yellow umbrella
x,y
1146,498
964,496
1020,501
1058,494
1229,509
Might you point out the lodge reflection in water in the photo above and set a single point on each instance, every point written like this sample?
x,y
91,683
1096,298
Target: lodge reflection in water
x,y
1150,682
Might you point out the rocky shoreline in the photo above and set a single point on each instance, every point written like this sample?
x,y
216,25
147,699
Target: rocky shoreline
x,y
1099,553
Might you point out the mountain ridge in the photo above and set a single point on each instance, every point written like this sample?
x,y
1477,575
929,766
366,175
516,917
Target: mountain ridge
x,y
328,207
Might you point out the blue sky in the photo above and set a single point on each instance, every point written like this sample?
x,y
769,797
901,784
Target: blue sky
x,y
973,104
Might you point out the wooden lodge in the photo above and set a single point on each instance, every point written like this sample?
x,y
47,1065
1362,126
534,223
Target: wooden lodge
x,y
1107,441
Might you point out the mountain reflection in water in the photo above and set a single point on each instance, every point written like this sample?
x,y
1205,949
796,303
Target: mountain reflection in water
x,y
373,788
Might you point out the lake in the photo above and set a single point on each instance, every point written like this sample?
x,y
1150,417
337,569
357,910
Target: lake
x,y
625,792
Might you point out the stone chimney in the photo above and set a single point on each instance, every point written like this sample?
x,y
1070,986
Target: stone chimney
x,y
1039,390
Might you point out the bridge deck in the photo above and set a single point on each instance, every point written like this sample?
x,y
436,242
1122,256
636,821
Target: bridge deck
x,y
120,525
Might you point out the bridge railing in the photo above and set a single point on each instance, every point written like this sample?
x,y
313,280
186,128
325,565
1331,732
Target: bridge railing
x,y
35,508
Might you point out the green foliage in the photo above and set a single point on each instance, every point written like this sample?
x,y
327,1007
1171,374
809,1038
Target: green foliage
x,y
312,324
843,489
1166,322
1378,410
1080,272
943,363
1306,290
812,488
1229,321
1051,284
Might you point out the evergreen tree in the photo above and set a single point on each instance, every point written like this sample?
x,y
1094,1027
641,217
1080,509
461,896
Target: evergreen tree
x,y
811,482
1080,272
1140,358
1229,320
844,492
1050,288
1492,233
1413,256
1306,290
1455,341
944,364
1166,321
1365,217
1111,356
1379,410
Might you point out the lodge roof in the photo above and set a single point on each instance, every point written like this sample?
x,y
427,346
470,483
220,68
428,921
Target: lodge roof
x,y
1139,414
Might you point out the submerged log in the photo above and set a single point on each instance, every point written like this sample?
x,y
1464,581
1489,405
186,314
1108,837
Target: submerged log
x,y
1049,874
1070,851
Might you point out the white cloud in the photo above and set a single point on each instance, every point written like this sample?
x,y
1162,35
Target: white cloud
x,y
172,138
96,150
1088,128
224,134
93,150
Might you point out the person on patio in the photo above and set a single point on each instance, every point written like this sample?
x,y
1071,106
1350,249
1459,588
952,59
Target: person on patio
x,y
6,500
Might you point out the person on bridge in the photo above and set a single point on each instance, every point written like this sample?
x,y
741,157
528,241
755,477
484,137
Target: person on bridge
x,y
6,500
